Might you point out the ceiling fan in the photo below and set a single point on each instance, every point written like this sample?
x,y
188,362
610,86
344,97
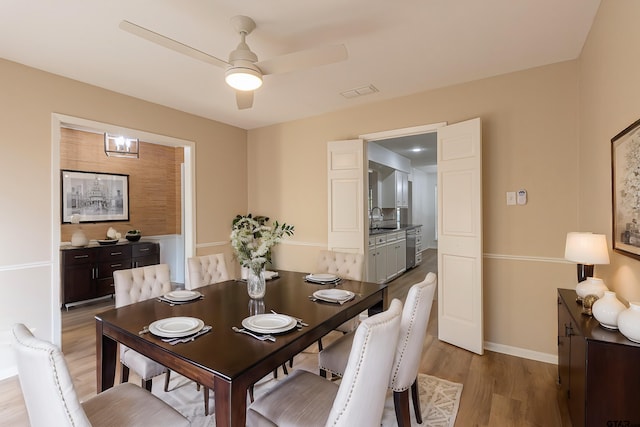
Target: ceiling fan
x,y
243,70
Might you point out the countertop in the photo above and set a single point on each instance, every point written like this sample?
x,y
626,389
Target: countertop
x,y
402,227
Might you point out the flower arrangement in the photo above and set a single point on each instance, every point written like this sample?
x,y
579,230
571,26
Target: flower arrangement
x,y
252,239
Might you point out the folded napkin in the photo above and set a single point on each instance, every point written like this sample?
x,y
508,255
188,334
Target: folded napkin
x,y
310,279
170,301
268,275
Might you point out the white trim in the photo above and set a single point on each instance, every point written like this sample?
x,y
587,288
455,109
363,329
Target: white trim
x,y
211,244
522,352
526,258
395,133
284,242
38,264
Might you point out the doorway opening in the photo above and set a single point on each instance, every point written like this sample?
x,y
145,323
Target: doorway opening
x,y
180,246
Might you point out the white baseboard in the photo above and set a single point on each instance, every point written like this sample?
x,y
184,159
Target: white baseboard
x,y
522,352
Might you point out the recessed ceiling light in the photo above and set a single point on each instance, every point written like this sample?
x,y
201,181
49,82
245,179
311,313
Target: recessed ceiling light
x,y
417,149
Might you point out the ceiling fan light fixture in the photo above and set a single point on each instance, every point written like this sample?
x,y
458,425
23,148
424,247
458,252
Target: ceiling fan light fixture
x,y
243,78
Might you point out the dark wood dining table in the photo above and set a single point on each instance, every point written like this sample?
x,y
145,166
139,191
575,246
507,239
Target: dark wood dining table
x,y
225,361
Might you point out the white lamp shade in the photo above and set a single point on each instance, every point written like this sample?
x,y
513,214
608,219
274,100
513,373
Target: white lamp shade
x,y
586,248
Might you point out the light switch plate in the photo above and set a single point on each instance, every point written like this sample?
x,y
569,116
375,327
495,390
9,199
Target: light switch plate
x,y
511,198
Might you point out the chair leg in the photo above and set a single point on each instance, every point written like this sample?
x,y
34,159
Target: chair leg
x,y
251,393
124,373
401,403
275,374
198,386
147,384
415,394
167,376
206,401
319,344
291,362
284,369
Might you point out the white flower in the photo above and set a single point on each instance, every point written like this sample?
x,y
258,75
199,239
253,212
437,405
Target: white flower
x,y
252,239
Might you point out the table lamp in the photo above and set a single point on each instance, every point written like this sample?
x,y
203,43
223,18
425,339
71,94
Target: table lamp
x,y
587,249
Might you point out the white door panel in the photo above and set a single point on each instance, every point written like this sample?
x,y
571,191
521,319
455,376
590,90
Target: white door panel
x,y
460,311
346,204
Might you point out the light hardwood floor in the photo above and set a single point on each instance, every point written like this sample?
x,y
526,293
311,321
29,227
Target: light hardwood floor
x,y
499,390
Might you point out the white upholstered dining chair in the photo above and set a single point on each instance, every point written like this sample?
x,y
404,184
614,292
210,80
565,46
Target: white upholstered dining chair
x,y
306,399
404,374
346,266
51,399
207,269
134,285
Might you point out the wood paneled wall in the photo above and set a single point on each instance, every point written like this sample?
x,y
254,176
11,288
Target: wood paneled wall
x,y
154,183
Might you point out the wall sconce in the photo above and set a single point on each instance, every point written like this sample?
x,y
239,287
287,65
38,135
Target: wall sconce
x,y
121,146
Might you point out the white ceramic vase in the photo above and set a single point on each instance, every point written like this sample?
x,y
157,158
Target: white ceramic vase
x,y
78,238
629,322
591,286
607,309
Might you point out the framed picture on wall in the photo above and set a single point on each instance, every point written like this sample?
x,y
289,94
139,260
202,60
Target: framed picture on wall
x,y
625,179
95,196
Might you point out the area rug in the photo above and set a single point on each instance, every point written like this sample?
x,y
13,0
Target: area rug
x,y
439,400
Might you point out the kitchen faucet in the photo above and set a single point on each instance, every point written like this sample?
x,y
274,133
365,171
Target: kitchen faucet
x,y
371,222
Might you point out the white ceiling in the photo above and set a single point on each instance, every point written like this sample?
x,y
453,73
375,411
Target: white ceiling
x,y
400,47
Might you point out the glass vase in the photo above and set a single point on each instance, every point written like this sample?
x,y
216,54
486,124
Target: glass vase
x,y
256,283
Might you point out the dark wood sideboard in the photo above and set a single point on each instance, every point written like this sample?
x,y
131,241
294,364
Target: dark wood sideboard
x,y
87,272
598,369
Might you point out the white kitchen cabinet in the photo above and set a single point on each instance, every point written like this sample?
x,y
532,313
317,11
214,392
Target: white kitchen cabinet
x,y
395,190
387,256
376,259
396,256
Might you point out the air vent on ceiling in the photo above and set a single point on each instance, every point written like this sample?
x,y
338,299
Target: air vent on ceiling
x,y
364,90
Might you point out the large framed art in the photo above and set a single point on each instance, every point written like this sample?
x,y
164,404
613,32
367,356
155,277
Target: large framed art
x,y
625,180
95,196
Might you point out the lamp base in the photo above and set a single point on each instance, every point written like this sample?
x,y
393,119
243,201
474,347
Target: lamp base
x,y
584,271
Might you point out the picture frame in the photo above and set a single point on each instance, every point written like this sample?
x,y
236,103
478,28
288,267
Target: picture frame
x,y
625,181
94,196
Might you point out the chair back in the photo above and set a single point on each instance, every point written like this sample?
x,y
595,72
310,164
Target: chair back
x,y
46,384
342,264
142,283
413,327
361,395
207,269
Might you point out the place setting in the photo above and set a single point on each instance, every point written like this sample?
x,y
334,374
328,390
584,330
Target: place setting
x,y
322,278
336,296
180,296
175,330
263,327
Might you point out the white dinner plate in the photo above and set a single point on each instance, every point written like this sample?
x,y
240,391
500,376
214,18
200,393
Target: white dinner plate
x,y
322,277
182,295
334,295
174,327
269,323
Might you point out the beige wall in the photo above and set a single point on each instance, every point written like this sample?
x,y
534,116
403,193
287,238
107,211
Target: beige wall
x,y
530,125
609,102
29,97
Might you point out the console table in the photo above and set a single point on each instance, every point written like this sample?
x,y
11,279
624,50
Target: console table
x,y
87,272
598,369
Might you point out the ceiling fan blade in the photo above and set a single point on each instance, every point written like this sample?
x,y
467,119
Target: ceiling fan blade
x,y
171,44
304,59
244,99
